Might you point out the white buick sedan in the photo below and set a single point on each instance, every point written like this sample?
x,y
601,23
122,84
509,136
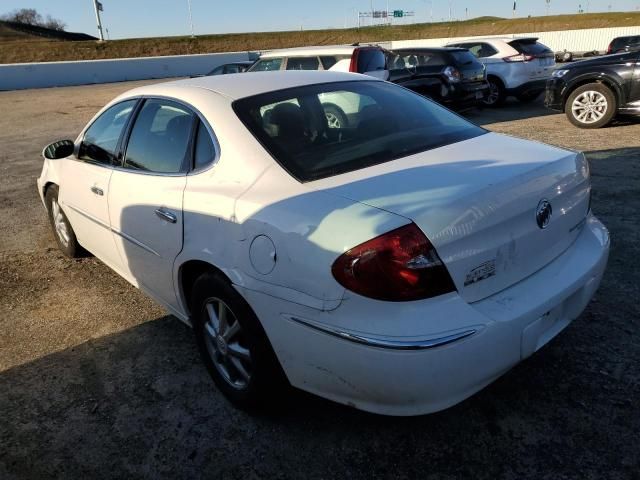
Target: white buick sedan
x,y
397,264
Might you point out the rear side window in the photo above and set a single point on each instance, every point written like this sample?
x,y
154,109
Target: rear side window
x,y
328,61
529,47
379,122
266,65
160,138
101,138
479,50
204,152
370,60
303,63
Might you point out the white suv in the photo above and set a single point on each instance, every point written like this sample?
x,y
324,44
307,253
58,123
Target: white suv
x,y
365,59
516,67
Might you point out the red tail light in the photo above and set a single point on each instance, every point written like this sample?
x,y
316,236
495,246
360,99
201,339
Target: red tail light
x,y
353,66
400,265
519,58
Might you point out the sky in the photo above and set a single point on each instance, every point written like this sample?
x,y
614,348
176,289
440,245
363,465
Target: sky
x,y
151,18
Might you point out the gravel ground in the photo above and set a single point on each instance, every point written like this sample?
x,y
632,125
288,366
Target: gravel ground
x,y
98,381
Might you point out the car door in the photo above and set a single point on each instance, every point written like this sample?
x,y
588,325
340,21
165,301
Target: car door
x,y
146,193
634,94
84,185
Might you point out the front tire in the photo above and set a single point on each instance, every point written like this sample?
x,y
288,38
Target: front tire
x,y
62,230
234,346
591,106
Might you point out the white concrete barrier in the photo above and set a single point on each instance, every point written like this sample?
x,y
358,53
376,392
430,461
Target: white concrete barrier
x,y
54,74
571,40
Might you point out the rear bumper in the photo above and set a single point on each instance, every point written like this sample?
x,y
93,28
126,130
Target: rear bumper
x,y
528,88
436,352
466,95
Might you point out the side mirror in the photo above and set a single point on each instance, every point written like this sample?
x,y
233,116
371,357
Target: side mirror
x,y
60,149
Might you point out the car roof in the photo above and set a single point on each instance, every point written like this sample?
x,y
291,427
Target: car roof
x,y
304,51
494,39
241,85
430,49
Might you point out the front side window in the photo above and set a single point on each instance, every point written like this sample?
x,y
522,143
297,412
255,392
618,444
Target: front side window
x,y
382,122
217,71
101,138
266,65
303,63
160,138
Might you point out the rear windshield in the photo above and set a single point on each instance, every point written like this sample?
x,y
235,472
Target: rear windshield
x,y
464,57
318,131
530,47
624,41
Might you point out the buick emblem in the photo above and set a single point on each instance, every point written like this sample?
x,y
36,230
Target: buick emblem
x,y
543,213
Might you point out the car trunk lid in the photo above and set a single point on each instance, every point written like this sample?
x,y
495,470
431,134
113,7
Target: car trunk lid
x,y
481,214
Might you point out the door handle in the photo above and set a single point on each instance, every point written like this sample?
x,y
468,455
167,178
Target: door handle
x,y
97,191
166,216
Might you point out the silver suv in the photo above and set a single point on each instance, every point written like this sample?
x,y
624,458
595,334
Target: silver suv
x,y
518,67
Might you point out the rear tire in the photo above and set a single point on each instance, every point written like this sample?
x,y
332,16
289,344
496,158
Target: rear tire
x,y
62,230
234,347
497,94
336,118
591,106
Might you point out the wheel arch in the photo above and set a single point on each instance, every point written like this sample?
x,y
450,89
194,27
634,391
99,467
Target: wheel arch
x,y
497,77
188,273
46,187
606,81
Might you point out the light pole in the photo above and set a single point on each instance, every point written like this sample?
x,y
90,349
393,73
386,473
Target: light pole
x,y
97,6
190,18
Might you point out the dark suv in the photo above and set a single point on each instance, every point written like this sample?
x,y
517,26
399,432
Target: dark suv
x,y
624,44
592,92
450,76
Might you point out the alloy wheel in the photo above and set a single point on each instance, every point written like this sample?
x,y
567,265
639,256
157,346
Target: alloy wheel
x,y
224,340
59,223
494,94
589,107
332,120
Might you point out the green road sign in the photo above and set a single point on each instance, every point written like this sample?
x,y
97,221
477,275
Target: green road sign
x,y
398,13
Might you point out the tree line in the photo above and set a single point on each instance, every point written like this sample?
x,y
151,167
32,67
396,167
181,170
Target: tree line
x,y
30,16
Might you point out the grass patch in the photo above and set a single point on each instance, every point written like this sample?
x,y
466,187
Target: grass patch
x,y
17,48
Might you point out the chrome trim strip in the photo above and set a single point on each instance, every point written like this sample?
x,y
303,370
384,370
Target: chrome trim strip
x,y
387,344
88,216
136,242
113,230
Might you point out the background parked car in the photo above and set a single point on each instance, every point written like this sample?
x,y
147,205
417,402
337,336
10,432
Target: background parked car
x,y
591,92
450,76
235,67
366,59
516,67
624,44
